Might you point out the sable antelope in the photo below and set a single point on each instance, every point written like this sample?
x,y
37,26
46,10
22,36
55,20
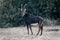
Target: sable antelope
x,y
33,19
29,19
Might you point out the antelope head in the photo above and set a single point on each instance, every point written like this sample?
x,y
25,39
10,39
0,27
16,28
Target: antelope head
x,y
23,9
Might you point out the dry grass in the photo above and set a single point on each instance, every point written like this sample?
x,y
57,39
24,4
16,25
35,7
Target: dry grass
x,y
20,33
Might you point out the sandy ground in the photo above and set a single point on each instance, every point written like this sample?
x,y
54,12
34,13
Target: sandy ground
x,y
20,33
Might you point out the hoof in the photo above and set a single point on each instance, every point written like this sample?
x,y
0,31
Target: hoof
x,y
32,34
40,34
36,34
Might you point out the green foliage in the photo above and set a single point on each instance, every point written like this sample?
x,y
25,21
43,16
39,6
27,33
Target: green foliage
x,y
10,14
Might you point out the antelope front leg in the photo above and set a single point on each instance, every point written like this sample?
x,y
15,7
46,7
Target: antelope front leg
x,y
31,30
27,29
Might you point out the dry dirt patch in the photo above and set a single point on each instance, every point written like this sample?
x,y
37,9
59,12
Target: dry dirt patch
x,y
20,33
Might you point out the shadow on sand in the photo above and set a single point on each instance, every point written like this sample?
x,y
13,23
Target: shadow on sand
x,y
53,30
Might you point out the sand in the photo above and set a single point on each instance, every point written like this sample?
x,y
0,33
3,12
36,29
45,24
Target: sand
x,y
20,33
